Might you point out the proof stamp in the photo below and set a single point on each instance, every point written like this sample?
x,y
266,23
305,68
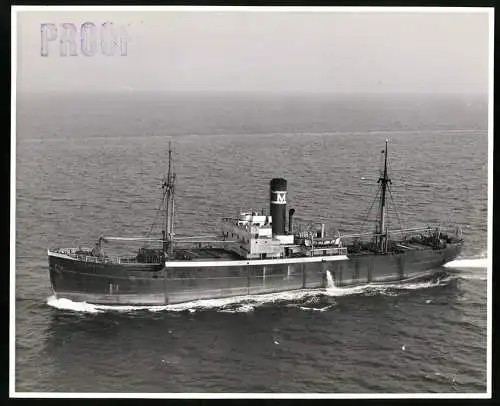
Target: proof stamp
x,y
87,39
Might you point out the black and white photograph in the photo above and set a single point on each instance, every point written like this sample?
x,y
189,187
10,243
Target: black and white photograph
x,y
251,202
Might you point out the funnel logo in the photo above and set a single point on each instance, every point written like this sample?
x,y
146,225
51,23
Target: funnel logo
x,y
280,198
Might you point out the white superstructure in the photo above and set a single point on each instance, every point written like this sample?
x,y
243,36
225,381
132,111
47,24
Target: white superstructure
x,y
252,238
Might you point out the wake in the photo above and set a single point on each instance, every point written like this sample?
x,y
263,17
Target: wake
x,y
471,268
237,304
468,263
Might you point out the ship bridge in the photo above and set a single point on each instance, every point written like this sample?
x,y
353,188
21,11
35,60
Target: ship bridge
x,y
254,234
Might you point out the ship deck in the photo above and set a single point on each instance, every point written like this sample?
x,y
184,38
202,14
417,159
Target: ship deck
x,y
397,248
181,254
208,254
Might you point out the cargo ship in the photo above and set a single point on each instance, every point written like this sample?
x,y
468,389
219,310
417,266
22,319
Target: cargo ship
x,y
255,253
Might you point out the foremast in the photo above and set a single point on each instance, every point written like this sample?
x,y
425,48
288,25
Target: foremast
x,y
169,206
382,227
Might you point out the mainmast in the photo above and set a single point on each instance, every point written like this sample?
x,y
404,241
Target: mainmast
x,y
168,233
384,181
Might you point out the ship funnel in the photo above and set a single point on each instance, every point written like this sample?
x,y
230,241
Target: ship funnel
x,y
291,212
278,205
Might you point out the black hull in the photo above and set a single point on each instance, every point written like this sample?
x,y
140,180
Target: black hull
x,y
156,284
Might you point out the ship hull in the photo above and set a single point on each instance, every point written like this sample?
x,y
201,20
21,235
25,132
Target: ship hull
x,y
181,281
391,267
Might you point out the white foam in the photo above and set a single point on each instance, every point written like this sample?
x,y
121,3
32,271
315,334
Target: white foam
x,y
66,304
415,286
335,292
314,309
468,263
247,303
244,303
378,287
240,309
473,276
329,280
385,289
332,290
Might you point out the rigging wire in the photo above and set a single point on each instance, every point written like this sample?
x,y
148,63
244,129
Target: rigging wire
x,y
401,225
369,210
405,203
157,213
377,195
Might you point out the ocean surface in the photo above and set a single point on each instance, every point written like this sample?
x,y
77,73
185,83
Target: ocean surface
x,y
92,164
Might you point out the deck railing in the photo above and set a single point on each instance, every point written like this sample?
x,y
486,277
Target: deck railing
x,y
106,259
331,251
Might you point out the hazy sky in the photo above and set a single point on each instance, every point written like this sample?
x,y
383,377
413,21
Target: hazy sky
x,y
264,51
